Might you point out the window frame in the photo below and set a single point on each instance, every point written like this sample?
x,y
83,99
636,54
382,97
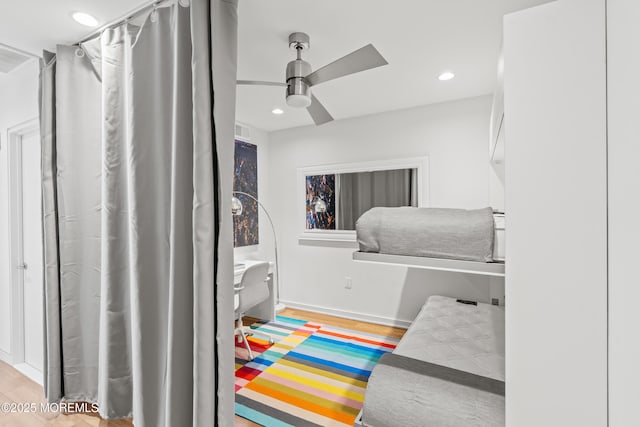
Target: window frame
x,y
347,238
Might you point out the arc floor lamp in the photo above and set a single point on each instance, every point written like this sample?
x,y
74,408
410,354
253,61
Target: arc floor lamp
x,y
236,209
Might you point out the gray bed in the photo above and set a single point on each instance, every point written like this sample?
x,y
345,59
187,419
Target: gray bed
x,y
428,232
448,370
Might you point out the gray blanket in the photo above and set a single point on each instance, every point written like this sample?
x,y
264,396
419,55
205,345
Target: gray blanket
x,y
413,393
428,232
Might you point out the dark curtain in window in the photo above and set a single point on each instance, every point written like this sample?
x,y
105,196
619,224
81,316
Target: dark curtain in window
x,y
360,191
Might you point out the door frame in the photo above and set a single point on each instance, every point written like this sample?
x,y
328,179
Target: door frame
x,y
15,135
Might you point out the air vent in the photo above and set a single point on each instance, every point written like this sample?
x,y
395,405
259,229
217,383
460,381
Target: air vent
x,y
10,58
242,131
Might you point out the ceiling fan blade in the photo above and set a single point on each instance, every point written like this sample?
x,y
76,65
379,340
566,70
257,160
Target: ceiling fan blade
x,y
318,113
259,83
362,59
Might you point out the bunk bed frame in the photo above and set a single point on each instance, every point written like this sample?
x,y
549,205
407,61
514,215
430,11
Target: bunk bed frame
x,y
495,269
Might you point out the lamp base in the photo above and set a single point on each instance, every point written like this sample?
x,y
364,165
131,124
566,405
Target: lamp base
x,y
279,307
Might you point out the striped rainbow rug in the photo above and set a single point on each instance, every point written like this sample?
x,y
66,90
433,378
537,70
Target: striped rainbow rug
x,y
314,375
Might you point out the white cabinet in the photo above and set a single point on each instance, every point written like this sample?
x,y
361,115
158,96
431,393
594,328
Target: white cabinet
x,y
623,69
556,199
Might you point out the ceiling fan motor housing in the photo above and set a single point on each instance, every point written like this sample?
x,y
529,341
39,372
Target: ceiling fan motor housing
x,y
300,79
298,91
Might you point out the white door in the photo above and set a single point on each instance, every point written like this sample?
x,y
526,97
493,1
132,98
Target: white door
x,y
27,256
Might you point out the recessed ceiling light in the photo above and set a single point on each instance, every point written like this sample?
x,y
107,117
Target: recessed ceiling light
x,y
84,19
277,111
446,76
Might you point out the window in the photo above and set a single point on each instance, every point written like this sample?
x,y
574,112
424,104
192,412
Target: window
x,y
336,195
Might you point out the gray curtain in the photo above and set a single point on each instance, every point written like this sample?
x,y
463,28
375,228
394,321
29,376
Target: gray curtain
x,y
137,132
360,191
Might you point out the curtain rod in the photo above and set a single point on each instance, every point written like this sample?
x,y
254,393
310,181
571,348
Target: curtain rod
x,y
123,18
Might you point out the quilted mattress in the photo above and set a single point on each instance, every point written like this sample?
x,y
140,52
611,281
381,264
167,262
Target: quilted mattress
x,y
448,370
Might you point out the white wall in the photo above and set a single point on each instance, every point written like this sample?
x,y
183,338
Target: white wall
x,y
454,135
623,69
18,103
556,267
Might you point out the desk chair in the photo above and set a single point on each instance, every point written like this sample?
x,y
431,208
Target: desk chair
x,y
252,290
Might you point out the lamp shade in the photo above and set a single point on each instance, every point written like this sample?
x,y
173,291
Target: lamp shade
x,y
319,205
236,206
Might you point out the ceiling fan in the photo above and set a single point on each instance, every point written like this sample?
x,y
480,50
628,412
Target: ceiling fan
x,y
300,79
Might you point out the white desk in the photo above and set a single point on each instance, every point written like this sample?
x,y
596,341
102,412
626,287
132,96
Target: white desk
x,y
265,310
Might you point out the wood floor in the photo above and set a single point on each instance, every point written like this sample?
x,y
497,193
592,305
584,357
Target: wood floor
x,y
17,388
340,322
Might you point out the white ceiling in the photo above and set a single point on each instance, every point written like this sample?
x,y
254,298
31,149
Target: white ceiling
x,y
34,25
419,38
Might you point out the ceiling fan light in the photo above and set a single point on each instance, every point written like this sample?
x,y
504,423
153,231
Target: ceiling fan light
x,y
298,101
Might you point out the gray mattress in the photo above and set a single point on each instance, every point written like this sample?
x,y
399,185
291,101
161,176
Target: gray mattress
x,y
448,370
428,232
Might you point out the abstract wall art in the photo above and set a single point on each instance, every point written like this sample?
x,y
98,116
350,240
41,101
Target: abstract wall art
x,y
320,202
245,179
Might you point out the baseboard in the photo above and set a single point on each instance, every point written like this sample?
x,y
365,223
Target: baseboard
x,y
30,372
6,357
380,320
